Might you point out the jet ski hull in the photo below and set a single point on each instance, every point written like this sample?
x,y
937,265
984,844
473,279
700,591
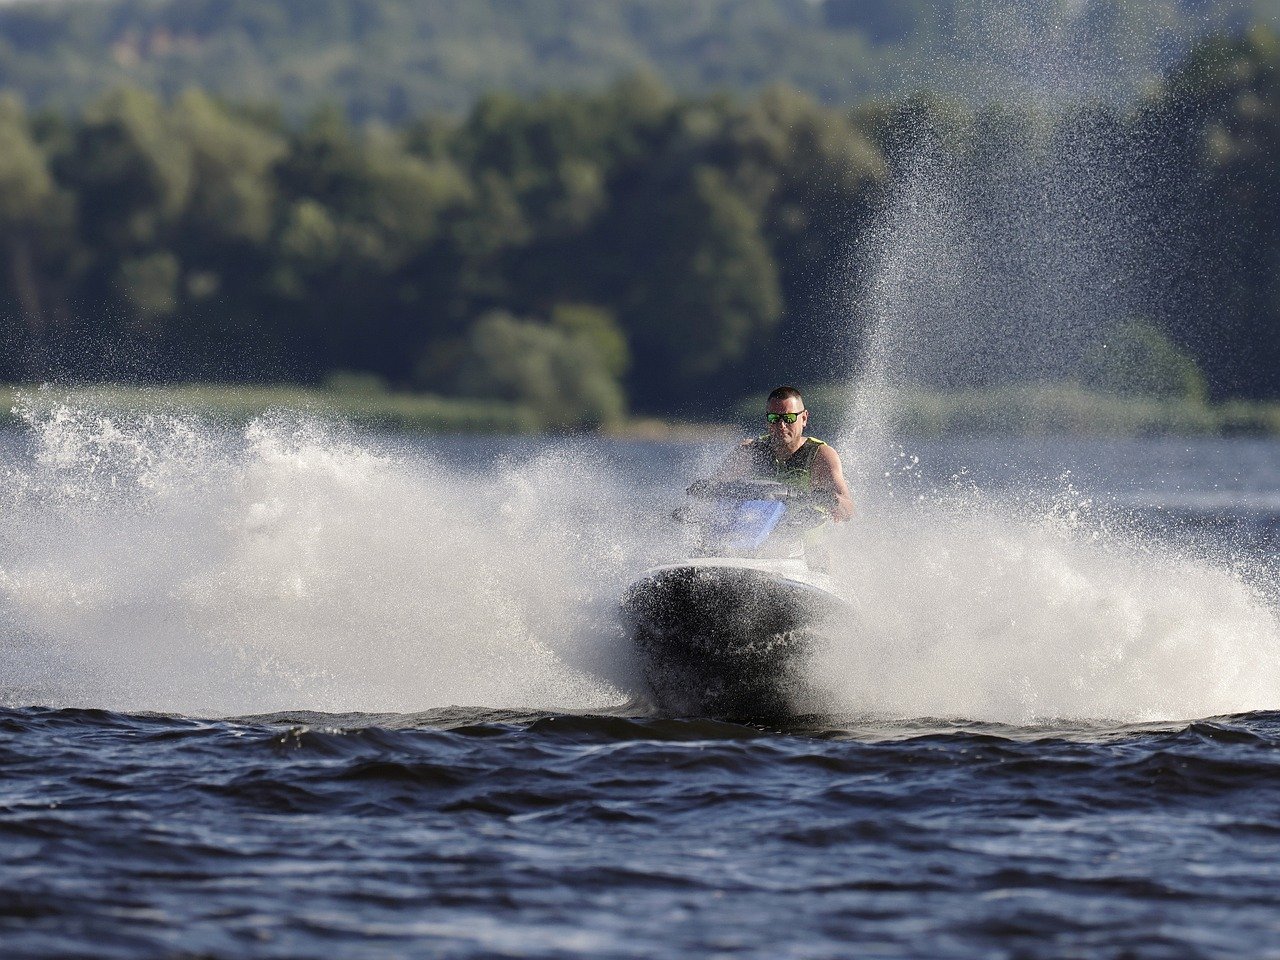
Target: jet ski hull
x,y
727,640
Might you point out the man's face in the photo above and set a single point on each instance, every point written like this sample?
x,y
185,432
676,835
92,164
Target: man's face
x,y
784,433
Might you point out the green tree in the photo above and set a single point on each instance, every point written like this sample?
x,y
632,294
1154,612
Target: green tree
x,y
1216,122
597,327
131,173
150,284
704,289
26,189
1137,358
232,196
363,217
558,373
815,176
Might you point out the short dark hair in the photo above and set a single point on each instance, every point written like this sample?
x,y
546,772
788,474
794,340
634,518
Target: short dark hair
x,y
784,393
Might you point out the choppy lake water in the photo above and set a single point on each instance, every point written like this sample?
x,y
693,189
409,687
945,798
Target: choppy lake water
x,y
301,692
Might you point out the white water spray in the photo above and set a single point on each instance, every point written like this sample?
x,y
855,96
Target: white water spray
x,y
1040,611
1014,238
165,564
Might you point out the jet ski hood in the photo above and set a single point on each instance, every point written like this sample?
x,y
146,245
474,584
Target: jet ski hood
x,y
727,632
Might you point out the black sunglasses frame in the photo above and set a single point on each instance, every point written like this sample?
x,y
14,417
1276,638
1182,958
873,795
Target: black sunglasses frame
x,y
790,417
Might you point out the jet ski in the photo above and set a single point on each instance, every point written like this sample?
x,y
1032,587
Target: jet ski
x,y
727,633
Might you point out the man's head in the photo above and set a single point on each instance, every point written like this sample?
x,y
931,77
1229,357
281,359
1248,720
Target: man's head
x,y
781,404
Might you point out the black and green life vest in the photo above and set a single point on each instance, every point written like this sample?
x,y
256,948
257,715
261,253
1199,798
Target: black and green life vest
x,y
795,471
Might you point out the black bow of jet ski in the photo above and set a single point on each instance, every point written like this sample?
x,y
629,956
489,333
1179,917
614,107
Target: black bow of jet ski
x,y
728,632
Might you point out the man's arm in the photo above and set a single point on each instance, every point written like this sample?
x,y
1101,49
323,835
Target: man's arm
x,y
828,477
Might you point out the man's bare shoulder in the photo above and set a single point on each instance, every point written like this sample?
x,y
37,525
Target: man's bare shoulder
x,y
827,453
828,461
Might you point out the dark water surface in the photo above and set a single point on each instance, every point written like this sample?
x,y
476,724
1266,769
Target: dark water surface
x,y
488,835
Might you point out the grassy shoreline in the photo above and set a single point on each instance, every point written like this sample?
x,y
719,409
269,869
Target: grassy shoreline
x,y
234,403
1066,409
1026,411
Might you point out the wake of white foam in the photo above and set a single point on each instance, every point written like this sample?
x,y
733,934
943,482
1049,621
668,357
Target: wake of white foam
x,y
164,564
161,563
1020,613
1021,228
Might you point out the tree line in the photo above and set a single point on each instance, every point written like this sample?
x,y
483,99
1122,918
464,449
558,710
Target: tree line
x,y
396,59
581,253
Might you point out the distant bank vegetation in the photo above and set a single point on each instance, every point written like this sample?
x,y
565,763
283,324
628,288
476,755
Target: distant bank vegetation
x,y
578,254
568,258
394,60
1054,409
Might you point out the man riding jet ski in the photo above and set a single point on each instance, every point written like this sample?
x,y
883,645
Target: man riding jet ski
x,y
785,454
724,633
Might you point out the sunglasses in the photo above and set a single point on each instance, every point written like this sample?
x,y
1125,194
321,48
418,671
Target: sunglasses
x,y
788,417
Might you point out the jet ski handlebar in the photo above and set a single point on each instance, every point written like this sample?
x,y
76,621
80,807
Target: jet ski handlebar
x,y
753,490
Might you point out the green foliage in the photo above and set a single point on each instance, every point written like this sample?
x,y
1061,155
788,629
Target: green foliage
x,y
385,203
572,255
1041,409
356,383
237,403
25,183
309,238
1221,113
150,283
233,196
709,286
131,172
597,327
1138,359
392,59
557,373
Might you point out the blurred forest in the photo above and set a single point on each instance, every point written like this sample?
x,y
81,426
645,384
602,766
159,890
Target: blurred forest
x,y
396,59
581,254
